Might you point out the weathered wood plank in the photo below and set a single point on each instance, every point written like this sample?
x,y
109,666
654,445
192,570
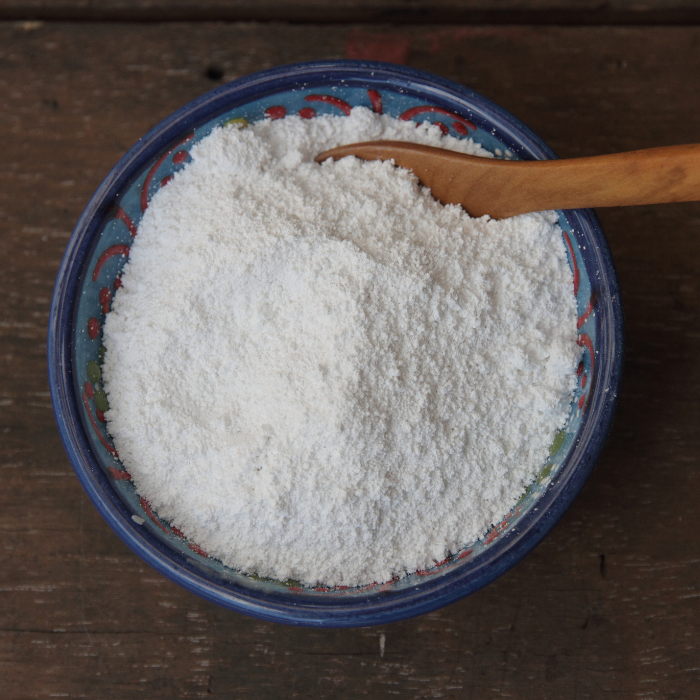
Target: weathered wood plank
x,y
607,606
557,12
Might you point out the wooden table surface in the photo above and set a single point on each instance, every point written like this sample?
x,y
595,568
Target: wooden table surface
x,y
608,606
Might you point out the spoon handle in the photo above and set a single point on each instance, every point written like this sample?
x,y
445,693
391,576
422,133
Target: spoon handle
x,y
650,176
504,188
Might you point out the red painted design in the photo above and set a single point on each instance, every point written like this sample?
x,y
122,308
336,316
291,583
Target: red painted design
x,y
492,536
119,249
294,589
579,369
368,588
465,554
196,548
307,113
101,437
147,508
443,127
460,128
147,182
338,590
89,391
93,328
567,240
387,585
433,571
166,180
335,101
276,112
497,530
123,216
322,589
589,309
583,381
118,474
585,341
376,99
180,157
153,170
100,416
105,298
179,533
415,111
118,283
368,46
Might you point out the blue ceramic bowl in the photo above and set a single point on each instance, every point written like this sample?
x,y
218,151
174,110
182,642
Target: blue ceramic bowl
x,y
89,275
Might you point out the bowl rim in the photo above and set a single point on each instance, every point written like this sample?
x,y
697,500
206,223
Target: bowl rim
x,y
316,610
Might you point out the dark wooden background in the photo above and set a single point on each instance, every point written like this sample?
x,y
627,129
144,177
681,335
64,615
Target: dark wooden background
x,y
608,606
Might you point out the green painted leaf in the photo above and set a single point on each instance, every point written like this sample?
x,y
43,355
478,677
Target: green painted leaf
x,y
94,372
100,400
558,442
524,496
544,473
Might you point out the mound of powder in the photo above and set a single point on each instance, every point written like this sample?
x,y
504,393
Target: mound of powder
x,y
318,372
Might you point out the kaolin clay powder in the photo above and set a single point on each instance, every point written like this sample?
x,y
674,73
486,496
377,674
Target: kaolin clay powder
x,y
318,372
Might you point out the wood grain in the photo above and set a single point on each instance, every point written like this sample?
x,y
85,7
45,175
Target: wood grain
x,y
607,607
541,12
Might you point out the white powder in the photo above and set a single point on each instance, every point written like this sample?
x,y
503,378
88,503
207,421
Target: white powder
x,y
318,372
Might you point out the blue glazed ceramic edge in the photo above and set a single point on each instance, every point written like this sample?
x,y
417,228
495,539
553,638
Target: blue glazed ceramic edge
x,y
383,607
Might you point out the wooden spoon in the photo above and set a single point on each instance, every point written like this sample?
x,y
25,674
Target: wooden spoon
x,y
503,188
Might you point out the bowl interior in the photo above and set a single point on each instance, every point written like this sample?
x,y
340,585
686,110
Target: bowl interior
x,y
105,251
